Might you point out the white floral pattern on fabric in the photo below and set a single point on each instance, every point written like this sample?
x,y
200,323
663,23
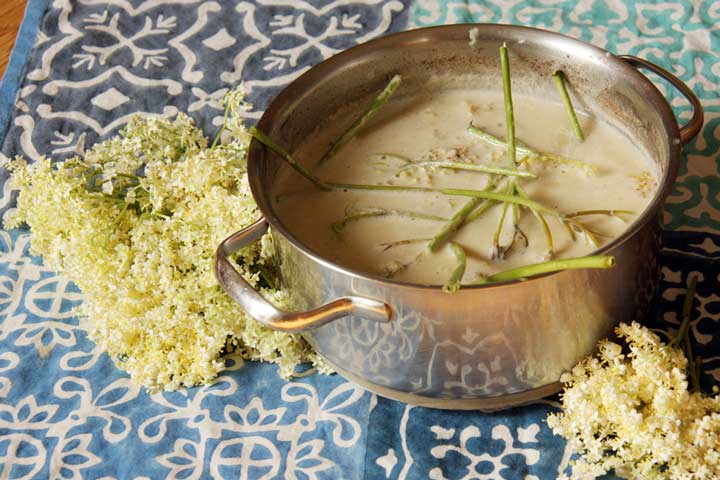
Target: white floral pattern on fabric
x,y
66,411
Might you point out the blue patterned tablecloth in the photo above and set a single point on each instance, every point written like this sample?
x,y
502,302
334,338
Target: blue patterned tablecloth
x,y
81,68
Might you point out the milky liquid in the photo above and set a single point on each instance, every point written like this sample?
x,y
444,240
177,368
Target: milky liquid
x,y
613,174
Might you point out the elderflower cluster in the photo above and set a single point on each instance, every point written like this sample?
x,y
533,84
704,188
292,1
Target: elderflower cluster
x,y
632,412
135,223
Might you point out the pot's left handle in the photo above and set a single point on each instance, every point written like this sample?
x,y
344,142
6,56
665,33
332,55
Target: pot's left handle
x,y
265,312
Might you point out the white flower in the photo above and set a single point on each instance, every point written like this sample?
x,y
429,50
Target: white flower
x,y
144,261
107,187
633,413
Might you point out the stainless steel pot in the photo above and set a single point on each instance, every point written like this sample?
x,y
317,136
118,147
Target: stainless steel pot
x,y
484,347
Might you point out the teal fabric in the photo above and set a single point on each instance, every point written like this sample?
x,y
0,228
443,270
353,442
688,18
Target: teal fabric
x,y
680,36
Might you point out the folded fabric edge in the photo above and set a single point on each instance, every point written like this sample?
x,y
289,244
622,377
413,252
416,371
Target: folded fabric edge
x,y
15,72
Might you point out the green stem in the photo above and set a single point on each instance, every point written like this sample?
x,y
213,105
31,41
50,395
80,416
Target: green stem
x,y
698,373
597,261
511,151
497,249
102,196
662,333
686,311
692,371
471,167
540,218
546,229
509,115
398,243
456,192
120,215
590,236
612,213
683,336
381,212
369,113
381,188
480,210
453,283
222,129
501,197
484,207
495,141
570,231
515,212
485,194
516,216
559,77
267,141
525,150
399,267
455,222
470,211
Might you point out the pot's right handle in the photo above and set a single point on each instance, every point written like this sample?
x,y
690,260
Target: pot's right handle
x,y
693,127
265,312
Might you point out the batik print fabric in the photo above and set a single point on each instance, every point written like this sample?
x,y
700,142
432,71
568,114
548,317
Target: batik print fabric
x,y
67,412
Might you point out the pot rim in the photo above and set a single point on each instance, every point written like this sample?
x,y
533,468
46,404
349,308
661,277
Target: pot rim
x,y
654,207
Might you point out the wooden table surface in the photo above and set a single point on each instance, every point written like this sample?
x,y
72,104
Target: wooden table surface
x,y
11,14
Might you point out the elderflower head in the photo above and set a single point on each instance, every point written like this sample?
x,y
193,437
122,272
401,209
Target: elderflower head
x,y
235,109
135,223
632,413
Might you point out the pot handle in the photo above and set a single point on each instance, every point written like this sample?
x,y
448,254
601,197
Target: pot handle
x,y
265,312
693,127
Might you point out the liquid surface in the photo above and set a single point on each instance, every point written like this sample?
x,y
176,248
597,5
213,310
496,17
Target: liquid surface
x,y
382,232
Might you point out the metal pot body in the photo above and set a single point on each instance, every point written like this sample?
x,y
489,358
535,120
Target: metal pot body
x,y
484,347
476,348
